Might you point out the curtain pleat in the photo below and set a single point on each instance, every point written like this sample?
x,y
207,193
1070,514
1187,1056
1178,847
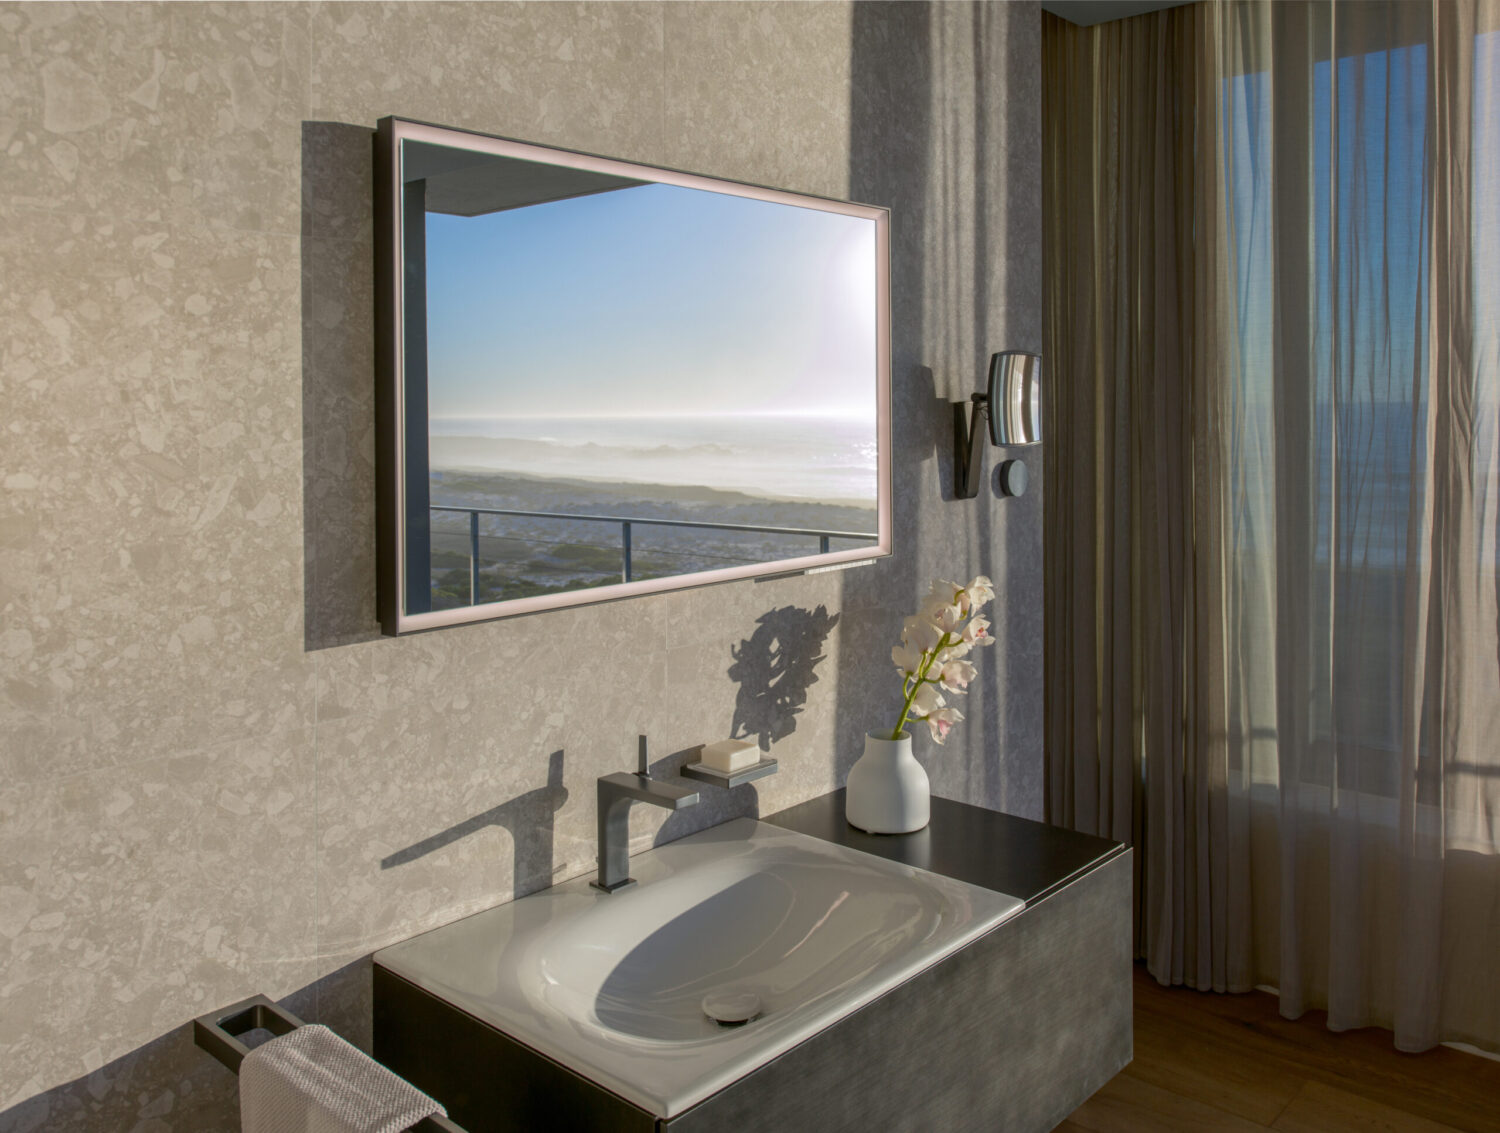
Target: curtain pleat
x,y
1273,635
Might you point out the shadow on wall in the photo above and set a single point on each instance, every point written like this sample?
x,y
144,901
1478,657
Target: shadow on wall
x,y
714,806
935,135
201,1095
338,385
774,668
890,99
168,1083
171,1084
529,817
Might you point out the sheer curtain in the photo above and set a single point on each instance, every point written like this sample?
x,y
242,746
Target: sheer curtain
x,y
1273,301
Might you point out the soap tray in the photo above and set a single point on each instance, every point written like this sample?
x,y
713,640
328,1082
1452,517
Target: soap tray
x,y
719,778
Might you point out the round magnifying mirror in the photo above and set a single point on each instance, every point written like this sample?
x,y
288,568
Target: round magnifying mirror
x,y
1015,398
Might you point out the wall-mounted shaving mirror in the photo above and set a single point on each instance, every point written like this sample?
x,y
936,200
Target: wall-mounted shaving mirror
x,y
601,379
1013,403
1015,396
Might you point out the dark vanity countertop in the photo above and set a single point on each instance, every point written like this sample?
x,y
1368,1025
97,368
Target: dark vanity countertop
x,y
1025,859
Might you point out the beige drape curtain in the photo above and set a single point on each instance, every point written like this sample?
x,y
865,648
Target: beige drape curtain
x,y
1273,661
1125,330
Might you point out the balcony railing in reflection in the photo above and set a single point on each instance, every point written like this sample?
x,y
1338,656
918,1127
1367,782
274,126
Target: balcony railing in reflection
x,y
626,526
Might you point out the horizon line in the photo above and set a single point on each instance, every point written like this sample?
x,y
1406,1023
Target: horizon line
x,y
840,415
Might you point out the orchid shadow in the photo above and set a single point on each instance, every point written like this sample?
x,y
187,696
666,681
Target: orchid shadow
x,y
774,667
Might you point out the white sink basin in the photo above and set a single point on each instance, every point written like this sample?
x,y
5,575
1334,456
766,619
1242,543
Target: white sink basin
x,y
744,915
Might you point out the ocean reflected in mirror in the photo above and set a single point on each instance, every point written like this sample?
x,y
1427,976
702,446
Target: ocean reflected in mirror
x,y
609,380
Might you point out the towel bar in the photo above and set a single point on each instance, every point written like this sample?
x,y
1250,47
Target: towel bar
x,y
218,1034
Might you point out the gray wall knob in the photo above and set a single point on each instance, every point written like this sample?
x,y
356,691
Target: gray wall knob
x,y
1013,477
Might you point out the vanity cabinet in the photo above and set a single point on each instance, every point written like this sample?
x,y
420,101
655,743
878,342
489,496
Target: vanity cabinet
x,y
1010,1033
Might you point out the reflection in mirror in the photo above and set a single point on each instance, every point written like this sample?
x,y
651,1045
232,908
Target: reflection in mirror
x,y
612,383
1015,398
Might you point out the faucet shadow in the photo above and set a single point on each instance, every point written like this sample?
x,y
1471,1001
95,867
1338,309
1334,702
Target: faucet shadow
x,y
715,805
774,668
528,817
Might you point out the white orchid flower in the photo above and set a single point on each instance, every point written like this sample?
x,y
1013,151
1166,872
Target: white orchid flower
x,y
934,644
932,605
941,722
927,700
942,594
945,590
948,619
977,632
907,659
980,591
953,652
920,633
956,675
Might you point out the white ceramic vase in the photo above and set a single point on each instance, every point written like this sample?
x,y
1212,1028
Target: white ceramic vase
x,y
888,790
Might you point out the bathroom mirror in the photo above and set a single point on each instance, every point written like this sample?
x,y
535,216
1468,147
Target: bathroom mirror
x,y
1015,398
601,379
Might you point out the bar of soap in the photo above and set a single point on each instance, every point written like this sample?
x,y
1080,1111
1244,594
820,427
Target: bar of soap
x,y
731,755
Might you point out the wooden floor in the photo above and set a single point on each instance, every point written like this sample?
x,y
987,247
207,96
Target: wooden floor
x,y
1230,1063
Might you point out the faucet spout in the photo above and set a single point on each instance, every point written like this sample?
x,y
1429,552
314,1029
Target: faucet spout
x,y
615,794
635,787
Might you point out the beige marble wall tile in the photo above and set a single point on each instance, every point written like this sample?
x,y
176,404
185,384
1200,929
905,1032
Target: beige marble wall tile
x,y
163,1086
186,527
182,111
447,833
459,766
582,75
138,897
338,181
759,91
251,63
152,491
338,387
339,452
944,105
754,661
446,786
980,277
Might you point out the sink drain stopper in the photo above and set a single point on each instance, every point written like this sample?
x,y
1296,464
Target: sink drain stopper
x,y
731,1008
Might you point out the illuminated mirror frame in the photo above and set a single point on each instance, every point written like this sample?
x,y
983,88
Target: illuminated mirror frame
x,y
393,469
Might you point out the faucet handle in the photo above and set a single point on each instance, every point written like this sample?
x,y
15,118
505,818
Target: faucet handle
x,y
643,765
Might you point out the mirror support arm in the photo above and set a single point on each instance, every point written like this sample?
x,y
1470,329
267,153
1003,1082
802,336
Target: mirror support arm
x,y
966,432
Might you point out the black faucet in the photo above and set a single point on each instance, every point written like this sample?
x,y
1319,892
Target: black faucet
x,y
616,793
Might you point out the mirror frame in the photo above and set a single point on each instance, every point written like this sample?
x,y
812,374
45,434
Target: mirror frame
x,y
390,402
